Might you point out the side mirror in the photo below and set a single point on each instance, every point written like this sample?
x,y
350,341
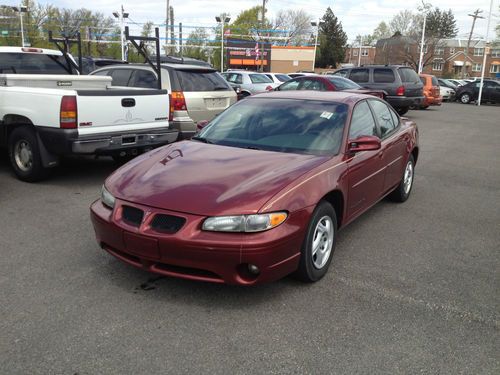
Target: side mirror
x,y
364,143
201,124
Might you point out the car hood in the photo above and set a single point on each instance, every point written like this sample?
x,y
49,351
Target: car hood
x,y
208,179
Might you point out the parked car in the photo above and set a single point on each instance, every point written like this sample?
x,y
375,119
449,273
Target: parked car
x,y
250,82
327,83
470,92
261,191
402,84
278,78
447,94
301,74
431,91
458,82
197,92
89,64
447,83
47,111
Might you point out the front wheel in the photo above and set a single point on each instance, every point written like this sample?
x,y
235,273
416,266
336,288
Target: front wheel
x,y
24,155
402,192
465,98
319,244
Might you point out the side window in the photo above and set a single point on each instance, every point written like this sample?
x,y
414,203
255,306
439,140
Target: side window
x,y
238,79
383,76
341,73
362,122
384,117
102,73
290,85
359,75
145,79
312,84
121,77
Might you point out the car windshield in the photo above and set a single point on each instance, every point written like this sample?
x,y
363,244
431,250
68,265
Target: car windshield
x,y
343,83
283,125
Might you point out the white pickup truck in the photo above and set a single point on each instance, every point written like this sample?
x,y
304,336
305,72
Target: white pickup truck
x,y
46,116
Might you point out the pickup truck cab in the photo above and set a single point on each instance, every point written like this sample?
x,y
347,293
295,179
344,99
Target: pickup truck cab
x,y
45,116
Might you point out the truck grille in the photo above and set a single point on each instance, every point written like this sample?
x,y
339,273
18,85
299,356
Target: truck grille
x,y
167,223
132,216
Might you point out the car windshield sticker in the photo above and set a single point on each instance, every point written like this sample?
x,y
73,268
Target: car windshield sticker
x,y
327,115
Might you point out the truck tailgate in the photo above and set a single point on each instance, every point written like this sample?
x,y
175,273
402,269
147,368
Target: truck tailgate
x,y
117,110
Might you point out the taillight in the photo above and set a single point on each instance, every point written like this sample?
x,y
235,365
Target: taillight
x,y
68,113
400,91
269,88
177,101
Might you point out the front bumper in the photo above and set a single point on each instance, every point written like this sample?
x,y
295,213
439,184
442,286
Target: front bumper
x,y
199,255
68,141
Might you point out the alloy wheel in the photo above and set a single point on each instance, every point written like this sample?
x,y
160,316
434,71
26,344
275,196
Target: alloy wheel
x,y
322,242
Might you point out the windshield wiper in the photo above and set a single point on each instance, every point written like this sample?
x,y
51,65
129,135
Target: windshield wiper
x,y
201,139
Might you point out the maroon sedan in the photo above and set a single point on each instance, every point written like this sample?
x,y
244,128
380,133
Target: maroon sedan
x,y
328,83
261,191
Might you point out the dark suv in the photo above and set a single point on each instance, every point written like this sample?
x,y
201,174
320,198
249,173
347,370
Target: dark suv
x,y
402,84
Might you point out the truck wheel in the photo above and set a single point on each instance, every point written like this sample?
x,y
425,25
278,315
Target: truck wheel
x,y
402,111
24,155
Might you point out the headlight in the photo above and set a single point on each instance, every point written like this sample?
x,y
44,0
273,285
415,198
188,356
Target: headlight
x,y
106,198
244,223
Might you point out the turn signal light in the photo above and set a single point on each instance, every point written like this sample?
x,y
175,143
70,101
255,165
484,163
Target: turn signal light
x,y
68,114
400,91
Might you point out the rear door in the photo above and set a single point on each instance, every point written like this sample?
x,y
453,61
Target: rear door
x,y
384,79
411,82
206,92
361,76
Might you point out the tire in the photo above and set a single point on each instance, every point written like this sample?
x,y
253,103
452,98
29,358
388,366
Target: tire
x,y
465,98
403,190
424,107
24,155
244,95
401,111
322,230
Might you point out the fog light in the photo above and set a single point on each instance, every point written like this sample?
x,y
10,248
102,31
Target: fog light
x,y
253,269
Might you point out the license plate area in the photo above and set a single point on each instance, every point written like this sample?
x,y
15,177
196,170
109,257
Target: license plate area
x,y
129,140
216,103
141,246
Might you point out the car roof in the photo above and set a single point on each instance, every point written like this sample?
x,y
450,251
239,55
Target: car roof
x,y
163,65
333,96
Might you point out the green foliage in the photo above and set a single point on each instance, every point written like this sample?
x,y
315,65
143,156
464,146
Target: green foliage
x,y
441,24
382,31
196,44
247,22
332,39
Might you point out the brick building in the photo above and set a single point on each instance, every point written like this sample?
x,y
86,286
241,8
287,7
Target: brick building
x,y
445,60
352,55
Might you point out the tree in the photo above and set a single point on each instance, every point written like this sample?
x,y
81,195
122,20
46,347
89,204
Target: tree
x,y
403,22
382,31
332,39
297,24
196,44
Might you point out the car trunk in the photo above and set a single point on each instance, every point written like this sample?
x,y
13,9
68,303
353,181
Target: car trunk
x,y
205,92
411,82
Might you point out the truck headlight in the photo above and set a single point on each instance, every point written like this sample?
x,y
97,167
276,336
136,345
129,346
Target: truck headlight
x,y
244,223
106,198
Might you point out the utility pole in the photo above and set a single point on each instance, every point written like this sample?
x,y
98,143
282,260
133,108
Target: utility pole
x,y
262,27
359,54
180,38
484,56
474,16
172,30
315,41
425,8
121,16
166,26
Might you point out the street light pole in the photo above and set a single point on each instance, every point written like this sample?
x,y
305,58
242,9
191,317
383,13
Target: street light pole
x,y
484,56
359,53
121,15
222,22
426,8
315,42
22,9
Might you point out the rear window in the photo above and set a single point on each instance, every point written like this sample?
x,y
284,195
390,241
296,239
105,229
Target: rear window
x,y
408,75
283,77
383,76
33,63
422,79
121,77
435,82
343,83
201,80
359,75
260,78
145,79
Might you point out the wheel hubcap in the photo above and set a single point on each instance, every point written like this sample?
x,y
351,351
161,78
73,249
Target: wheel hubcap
x,y
322,242
465,98
408,177
23,155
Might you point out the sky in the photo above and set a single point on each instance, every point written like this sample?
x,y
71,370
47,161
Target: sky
x,y
357,17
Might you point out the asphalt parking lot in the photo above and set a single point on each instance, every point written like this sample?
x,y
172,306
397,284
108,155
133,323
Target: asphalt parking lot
x,y
413,288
